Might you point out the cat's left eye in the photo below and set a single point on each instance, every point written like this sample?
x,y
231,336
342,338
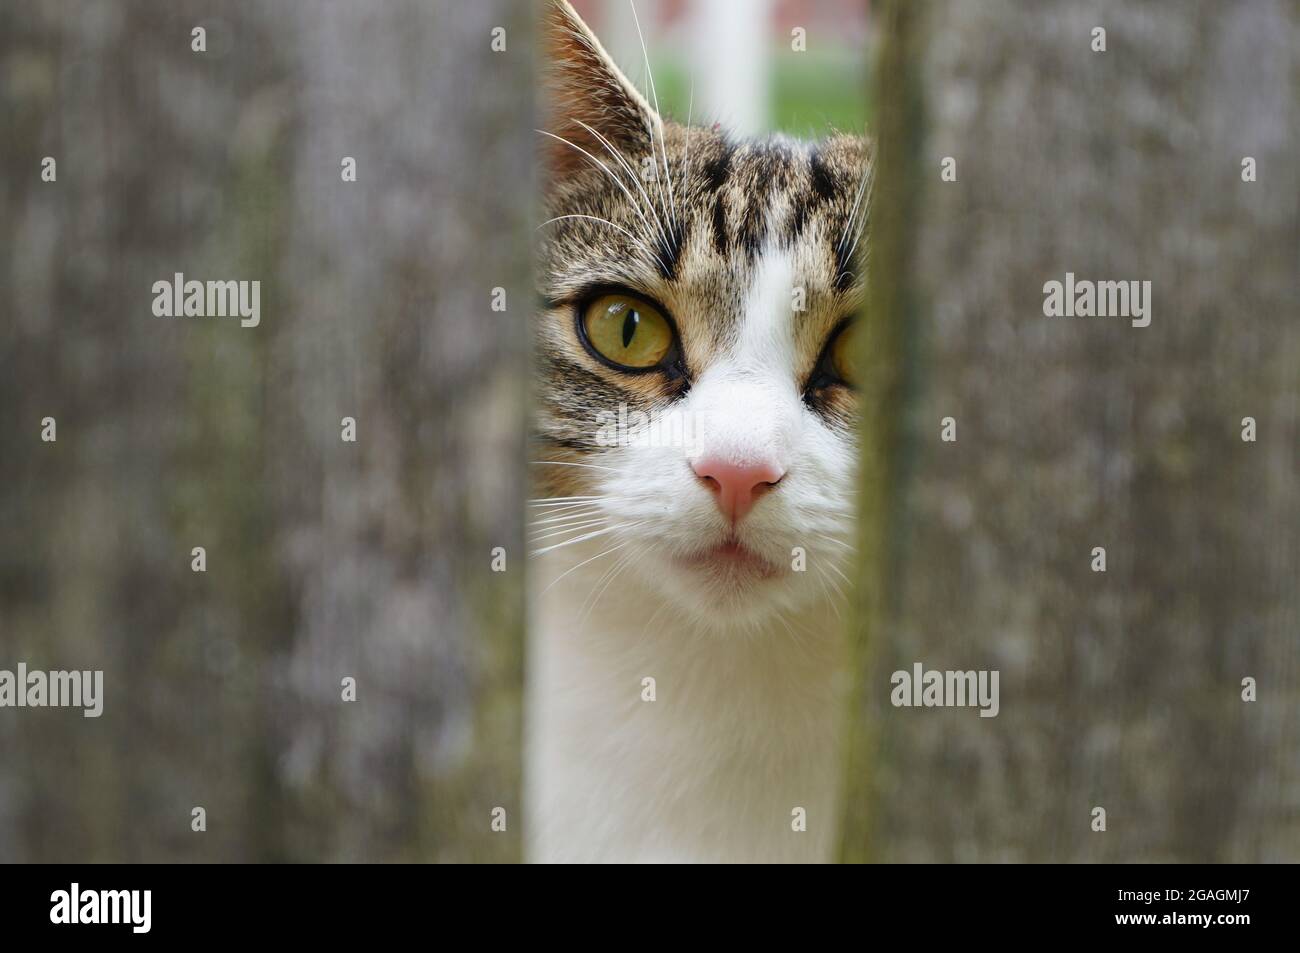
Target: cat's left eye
x,y
627,332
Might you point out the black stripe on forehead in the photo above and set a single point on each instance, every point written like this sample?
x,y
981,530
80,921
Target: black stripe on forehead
x,y
753,223
718,168
669,247
821,180
720,240
716,172
824,189
821,190
766,169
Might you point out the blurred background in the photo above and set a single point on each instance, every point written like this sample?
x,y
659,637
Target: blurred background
x,y
798,67
326,559
1122,690
329,559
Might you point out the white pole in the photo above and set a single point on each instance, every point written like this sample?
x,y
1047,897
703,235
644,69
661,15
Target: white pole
x,y
731,62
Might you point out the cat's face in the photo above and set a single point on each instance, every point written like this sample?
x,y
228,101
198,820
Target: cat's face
x,y
696,405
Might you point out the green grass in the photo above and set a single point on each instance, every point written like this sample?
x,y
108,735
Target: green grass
x,y
810,97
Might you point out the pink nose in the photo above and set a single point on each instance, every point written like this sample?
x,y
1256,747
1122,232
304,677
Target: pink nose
x,y
737,485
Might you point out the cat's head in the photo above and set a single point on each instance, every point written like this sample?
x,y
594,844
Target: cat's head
x,y
696,411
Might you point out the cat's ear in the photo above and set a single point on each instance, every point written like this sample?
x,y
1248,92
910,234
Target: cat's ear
x,y
587,97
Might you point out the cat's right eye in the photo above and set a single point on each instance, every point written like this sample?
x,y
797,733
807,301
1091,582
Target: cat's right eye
x,y
627,332
836,366
842,354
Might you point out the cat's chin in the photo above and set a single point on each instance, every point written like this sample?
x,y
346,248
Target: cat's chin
x,y
730,587
731,564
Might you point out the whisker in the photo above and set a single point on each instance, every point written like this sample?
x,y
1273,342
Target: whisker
x,y
565,516
838,589
636,179
853,212
565,463
584,562
567,519
860,228
605,221
568,511
655,96
615,179
556,514
542,532
603,576
579,539
690,108
854,247
837,542
663,604
798,639
839,572
821,576
623,562
576,527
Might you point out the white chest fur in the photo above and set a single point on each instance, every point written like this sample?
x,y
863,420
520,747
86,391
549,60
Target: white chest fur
x,y
739,744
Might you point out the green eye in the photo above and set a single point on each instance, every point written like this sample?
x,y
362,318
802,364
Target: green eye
x,y
627,331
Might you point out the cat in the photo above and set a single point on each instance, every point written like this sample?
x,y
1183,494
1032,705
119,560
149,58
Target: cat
x,y
685,655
